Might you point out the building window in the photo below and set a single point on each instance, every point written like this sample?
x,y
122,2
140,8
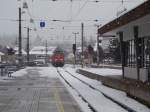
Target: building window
x,y
130,54
146,52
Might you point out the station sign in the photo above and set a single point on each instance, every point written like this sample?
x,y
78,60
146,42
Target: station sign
x,y
42,24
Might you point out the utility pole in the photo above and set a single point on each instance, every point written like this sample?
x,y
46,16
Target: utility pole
x,y
20,40
75,33
82,36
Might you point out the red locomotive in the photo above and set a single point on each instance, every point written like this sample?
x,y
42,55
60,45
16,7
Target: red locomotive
x,y
58,58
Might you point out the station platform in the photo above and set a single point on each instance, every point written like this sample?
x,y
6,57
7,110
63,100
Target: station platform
x,y
33,93
137,89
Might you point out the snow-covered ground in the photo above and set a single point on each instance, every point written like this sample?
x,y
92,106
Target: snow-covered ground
x,y
15,74
104,71
99,71
115,94
20,73
97,100
48,72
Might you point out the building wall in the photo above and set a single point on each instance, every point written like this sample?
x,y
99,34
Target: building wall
x,y
132,73
128,34
144,26
143,74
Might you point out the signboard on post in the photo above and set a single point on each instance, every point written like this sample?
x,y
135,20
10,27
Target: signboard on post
x,y
42,24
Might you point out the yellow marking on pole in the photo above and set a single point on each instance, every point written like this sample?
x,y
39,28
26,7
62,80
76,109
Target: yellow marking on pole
x,y
59,103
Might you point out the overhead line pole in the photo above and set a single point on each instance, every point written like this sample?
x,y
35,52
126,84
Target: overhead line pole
x,y
20,40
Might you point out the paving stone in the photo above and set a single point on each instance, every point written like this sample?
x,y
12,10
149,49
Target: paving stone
x,y
32,93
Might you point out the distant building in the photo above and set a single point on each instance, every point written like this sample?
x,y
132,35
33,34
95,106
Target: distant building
x,y
1,55
17,51
24,54
133,31
39,52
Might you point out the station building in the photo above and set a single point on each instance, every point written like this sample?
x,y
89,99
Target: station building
x,y
133,31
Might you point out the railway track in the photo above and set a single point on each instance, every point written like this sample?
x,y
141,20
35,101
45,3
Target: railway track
x,y
125,107
79,94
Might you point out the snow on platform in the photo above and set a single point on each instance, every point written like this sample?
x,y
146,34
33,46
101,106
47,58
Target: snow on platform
x,y
96,99
115,94
32,91
103,71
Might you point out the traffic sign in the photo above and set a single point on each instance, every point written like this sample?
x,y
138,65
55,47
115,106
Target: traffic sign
x,y
42,24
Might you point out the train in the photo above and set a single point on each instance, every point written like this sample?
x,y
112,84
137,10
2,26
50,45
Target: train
x,y
58,58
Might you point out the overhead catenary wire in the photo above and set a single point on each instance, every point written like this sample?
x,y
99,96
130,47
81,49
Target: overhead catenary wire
x,y
80,9
64,27
53,20
78,12
10,20
97,1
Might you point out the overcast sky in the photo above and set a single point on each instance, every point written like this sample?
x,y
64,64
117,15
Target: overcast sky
x,y
45,10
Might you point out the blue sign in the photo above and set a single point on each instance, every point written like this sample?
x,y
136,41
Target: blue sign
x,y
42,24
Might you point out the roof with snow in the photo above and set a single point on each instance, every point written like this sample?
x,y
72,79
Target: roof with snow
x,y
41,50
1,54
16,51
136,13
